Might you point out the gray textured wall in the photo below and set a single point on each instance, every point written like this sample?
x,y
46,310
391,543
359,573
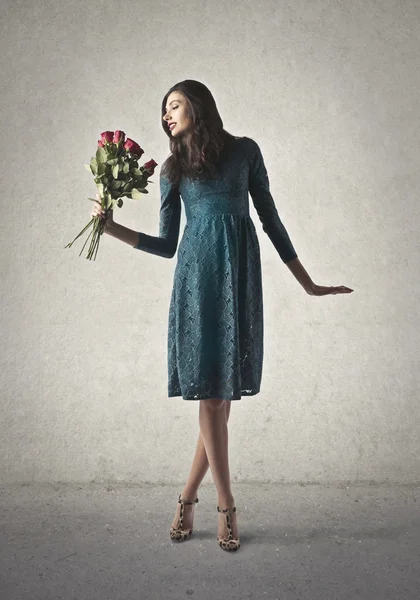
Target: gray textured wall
x,y
329,89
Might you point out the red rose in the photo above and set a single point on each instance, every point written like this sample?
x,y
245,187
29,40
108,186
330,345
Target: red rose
x,y
150,166
100,144
132,147
119,136
107,136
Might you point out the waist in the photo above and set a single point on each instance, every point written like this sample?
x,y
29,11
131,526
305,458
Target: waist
x,y
220,215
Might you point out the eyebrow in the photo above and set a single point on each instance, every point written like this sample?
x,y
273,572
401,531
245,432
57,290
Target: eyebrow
x,y
172,102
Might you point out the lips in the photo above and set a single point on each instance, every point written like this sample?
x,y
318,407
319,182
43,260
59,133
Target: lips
x,y
172,125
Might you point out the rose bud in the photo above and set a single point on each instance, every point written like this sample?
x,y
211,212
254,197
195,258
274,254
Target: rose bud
x,y
132,147
119,136
107,136
137,150
150,166
100,144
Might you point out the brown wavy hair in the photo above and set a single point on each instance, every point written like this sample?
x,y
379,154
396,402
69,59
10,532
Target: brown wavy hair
x,y
197,151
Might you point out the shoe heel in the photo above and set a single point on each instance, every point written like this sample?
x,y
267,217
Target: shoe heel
x,y
230,544
178,534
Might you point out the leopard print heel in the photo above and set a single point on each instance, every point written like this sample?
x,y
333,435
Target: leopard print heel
x,y
179,534
230,543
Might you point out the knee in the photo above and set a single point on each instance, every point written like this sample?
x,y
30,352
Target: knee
x,y
212,404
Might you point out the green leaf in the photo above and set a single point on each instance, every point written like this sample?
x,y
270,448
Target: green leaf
x,y
136,194
116,184
94,165
101,168
120,203
115,170
101,155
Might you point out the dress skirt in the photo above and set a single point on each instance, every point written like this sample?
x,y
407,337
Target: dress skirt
x,y
215,327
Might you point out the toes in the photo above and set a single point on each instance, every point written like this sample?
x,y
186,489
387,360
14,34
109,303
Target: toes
x,y
230,546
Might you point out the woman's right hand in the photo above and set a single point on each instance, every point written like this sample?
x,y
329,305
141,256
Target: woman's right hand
x,y
98,211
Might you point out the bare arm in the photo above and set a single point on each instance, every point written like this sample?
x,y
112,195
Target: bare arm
x,y
129,236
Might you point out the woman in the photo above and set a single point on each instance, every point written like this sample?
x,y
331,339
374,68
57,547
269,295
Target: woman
x,y
215,328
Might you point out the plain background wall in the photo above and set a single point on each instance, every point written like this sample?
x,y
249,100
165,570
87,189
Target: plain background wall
x,y
329,89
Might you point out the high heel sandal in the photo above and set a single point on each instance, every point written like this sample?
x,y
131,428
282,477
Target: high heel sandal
x,y
230,543
179,534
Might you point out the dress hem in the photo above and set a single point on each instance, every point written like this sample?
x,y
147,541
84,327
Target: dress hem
x,y
213,397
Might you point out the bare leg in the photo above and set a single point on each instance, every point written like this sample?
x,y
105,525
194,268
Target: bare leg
x,y
213,419
200,463
214,433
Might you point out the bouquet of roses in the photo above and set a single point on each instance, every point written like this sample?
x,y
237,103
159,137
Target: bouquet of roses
x,y
117,174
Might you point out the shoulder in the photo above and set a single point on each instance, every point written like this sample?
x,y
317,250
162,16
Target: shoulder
x,y
250,146
163,174
251,149
165,165
241,141
244,145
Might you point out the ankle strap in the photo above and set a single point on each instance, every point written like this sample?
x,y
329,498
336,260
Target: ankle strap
x,y
226,510
182,501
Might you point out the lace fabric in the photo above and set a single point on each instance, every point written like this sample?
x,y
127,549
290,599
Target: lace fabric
x,y
215,324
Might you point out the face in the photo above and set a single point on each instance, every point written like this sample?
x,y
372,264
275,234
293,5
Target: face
x,y
176,113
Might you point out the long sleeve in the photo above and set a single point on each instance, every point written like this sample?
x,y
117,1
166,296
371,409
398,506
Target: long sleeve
x,y
169,221
259,188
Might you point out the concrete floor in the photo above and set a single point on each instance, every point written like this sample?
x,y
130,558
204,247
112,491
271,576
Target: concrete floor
x,y
101,541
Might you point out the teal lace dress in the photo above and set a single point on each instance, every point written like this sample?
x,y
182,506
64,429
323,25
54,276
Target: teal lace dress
x,y
215,325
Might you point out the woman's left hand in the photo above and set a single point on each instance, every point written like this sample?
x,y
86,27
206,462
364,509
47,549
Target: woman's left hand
x,y
323,290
